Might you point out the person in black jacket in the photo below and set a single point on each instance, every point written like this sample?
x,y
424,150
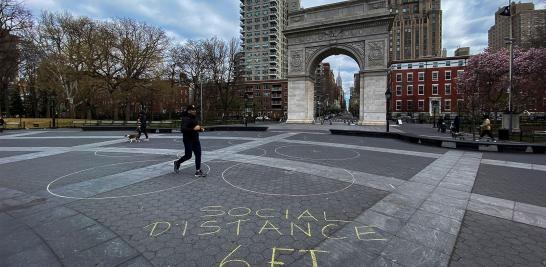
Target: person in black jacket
x,y
141,125
1,124
190,133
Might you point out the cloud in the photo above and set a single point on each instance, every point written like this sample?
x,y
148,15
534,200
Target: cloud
x,y
186,19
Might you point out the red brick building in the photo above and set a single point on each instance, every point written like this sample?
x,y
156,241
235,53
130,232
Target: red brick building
x,y
265,98
426,86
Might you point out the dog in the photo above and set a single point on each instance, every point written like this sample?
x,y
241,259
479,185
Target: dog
x,y
133,138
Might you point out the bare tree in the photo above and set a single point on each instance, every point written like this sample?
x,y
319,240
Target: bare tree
x,y
222,63
140,49
194,65
67,42
14,19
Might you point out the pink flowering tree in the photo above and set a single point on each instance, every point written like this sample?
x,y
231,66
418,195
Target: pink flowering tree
x,y
485,81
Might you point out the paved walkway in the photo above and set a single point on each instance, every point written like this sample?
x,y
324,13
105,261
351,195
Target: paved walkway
x,y
292,195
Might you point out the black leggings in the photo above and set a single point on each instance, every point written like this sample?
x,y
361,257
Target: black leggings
x,y
486,132
142,130
189,147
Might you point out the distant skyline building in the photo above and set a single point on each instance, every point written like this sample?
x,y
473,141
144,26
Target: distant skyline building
x,y
327,92
526,24
462,51
264,44
417,29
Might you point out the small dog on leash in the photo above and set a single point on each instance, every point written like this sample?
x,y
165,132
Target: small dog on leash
x,y
133,138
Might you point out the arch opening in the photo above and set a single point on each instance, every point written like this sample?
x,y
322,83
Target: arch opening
x,y
335,90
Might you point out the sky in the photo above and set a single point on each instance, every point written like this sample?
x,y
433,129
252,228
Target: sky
x,y
465,22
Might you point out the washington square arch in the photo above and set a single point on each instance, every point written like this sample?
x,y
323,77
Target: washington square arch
x,y
358,29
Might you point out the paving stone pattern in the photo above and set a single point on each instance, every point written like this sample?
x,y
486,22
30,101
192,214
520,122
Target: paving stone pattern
x,y
347,204
398,166
490,241
527,186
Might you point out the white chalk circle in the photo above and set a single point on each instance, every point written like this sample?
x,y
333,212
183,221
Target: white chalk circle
x,y
353,180
311,151
108,153
115,197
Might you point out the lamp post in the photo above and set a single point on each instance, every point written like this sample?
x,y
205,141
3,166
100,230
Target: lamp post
x,y
388,95
202,111
510,42
52,109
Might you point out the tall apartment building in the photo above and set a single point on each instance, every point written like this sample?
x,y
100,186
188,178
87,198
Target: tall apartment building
x,y
417,29
526,23
264,44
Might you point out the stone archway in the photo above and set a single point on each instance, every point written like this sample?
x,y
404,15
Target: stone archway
x,y
358,29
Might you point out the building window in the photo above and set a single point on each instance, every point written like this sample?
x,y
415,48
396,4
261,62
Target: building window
x,y
448,75
421,105
398,105
421,76
410,66
435,89
421,89
448,89
399,77
410,77
448,63
461,63
410,106
457,89
435,76
447,106
398,90
435,64
410,90
460,73
421,65
460,104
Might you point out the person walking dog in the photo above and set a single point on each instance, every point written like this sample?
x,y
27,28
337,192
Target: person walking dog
x,y
190,136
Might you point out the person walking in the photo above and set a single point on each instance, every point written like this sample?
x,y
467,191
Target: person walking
x,y
190,137
486,129
1,124
457,124
141,125
440,124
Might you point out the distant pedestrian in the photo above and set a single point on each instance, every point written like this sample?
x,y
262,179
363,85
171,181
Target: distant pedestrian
x,y
456,124
440,124
141,126
190,136
486,128
245,121
1,124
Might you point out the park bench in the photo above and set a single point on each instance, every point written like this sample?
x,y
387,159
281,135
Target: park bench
x,y
12,125
78,123
37,124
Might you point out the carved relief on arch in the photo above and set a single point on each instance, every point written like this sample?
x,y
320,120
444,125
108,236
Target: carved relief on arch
x,y
296,60
375,53
359,47
309,53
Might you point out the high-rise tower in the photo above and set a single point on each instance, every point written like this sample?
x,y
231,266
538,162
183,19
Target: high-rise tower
x,y
417,29
263,41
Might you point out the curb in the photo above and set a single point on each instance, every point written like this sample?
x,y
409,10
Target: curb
x,y
453,144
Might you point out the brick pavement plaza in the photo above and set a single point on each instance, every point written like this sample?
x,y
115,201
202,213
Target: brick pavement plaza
x,y
292,196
